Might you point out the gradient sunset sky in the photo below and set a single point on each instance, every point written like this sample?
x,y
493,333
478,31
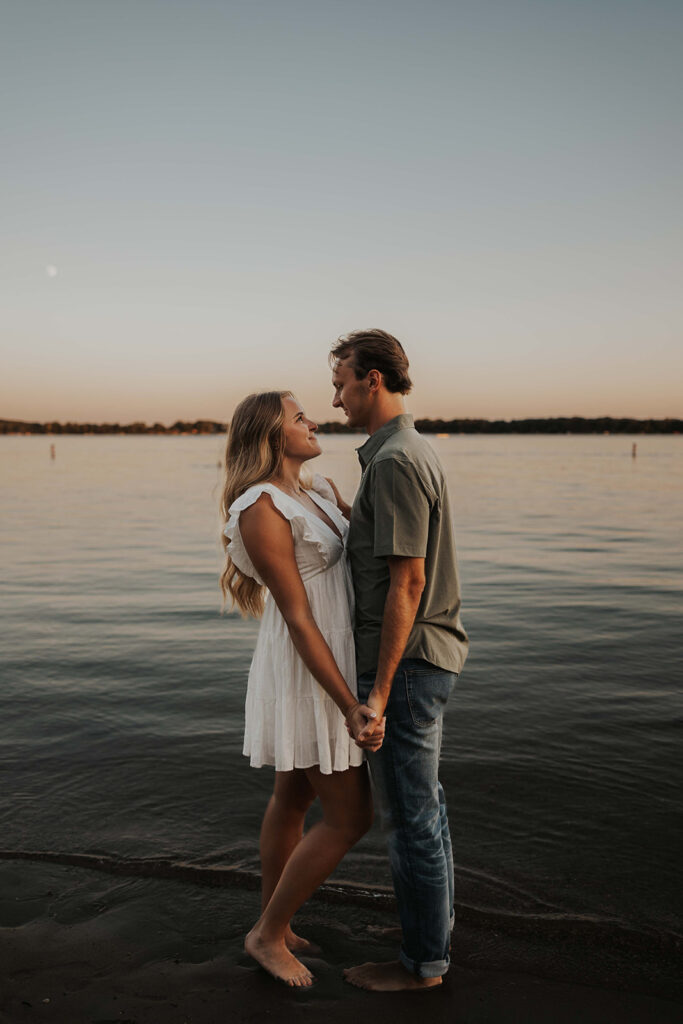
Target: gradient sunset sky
x,y
200,196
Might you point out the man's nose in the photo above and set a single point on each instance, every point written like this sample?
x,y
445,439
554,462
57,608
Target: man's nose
x,y
312,426
336,402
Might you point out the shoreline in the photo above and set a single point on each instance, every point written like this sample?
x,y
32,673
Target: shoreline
x,y
100,945
552,924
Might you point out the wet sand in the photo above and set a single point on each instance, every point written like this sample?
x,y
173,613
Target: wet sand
x,y
81,947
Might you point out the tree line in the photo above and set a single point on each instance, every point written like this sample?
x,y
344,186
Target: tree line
x,y
551,425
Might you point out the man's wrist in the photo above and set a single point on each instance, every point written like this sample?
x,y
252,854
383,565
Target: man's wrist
x,y
382,687
379,695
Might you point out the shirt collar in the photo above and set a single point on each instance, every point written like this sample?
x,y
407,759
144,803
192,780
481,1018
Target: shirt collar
x,y
367,451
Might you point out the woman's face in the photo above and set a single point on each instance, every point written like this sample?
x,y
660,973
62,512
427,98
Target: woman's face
x,y
299,432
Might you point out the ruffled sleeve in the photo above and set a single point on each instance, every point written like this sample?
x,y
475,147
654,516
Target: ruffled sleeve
x,y
236,549
312,554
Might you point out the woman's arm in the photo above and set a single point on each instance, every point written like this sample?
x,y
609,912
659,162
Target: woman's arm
x,y
267,536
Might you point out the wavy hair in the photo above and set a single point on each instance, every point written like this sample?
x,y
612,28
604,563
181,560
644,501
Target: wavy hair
x,y
253,453
374,349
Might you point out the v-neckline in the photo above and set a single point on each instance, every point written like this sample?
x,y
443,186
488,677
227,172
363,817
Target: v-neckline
x,y
331,529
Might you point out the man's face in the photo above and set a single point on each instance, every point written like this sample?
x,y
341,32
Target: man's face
x,y
351,395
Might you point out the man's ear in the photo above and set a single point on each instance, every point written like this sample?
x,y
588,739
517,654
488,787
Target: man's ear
x,y
374,380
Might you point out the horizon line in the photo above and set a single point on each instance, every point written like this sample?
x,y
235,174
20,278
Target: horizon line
x,y
438,425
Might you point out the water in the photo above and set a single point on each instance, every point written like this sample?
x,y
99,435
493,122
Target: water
x,y
122,686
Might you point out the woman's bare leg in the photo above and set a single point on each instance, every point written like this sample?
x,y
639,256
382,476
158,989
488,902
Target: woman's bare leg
x,y
347,815
281,831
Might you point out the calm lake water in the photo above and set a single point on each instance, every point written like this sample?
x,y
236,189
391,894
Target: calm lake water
x,y
122,686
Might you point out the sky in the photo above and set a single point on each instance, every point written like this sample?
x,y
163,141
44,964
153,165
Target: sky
x,y
199,197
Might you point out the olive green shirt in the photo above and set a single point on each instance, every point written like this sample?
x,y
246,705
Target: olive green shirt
x,y
402,508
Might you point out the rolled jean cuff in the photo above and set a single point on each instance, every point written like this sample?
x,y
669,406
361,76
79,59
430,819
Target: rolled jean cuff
x,y
432,969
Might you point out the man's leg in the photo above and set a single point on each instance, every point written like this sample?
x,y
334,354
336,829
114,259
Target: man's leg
x,y
410,802
446,838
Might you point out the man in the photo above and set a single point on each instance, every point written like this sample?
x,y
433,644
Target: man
x,y
410,645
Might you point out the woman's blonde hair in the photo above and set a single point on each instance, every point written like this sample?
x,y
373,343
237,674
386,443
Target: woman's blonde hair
x,y
254,453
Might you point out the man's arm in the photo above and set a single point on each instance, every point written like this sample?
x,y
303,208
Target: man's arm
x,y
407,581
402,511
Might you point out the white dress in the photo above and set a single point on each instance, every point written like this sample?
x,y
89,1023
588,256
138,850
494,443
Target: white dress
x,y
290,721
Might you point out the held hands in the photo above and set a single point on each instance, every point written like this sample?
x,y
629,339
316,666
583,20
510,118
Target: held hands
x,y
365,726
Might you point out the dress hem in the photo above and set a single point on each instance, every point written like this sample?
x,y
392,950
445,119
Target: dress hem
x,y
313,764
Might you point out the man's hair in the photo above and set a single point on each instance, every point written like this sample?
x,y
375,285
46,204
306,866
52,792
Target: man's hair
x,y
375,350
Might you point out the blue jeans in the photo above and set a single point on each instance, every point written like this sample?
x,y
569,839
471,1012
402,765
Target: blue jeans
x,y
412,810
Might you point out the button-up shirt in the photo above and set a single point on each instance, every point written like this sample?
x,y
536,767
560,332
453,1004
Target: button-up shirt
x,y
402,508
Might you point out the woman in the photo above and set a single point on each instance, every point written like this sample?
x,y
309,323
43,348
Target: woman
x,y
288,538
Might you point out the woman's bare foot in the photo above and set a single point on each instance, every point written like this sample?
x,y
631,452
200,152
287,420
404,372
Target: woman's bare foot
x,y
392,977
275,958
297,944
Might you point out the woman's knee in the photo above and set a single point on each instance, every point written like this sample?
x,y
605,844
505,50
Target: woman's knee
x,y
355,824
288,806
292,793
346,801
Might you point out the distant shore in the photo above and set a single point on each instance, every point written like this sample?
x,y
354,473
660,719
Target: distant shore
x,y
553,425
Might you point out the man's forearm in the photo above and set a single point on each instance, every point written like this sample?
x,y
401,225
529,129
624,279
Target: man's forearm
x,y
400,610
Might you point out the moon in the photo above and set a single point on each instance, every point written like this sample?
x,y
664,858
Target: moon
x,y
51,270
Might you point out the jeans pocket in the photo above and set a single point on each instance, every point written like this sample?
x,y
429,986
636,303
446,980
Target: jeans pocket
x,y
427,693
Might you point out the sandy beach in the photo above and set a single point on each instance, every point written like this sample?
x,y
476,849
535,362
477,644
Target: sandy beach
x,y
78,945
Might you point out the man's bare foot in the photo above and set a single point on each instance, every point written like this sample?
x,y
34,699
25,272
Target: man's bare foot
x,y
275,958
392,977
297,944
